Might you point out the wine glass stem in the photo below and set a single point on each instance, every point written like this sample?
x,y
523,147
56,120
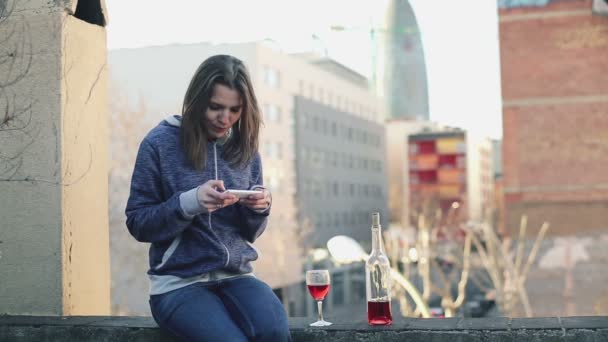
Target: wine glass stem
x,y
320,309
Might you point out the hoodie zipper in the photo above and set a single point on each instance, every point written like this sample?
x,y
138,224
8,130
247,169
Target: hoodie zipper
x,y
210,225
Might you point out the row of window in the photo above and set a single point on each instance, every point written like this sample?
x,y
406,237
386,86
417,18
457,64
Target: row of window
x,y
340,219
317,157
334,129
312,187
336,101
272,78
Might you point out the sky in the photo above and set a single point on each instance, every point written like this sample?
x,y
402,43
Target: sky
x,y
460,40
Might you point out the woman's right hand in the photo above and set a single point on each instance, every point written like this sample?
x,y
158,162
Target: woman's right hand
x,y
211,195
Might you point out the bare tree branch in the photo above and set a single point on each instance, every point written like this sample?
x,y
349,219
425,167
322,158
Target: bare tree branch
x,y
15,64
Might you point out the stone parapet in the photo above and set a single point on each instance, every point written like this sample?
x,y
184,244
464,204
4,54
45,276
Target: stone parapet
x,y
121,328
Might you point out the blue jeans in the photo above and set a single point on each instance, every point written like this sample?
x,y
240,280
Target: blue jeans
x,y
236,309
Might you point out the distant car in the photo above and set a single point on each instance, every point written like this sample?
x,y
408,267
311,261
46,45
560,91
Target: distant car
x,y
437,312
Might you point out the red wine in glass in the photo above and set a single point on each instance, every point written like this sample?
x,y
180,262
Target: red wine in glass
x,y
318,282
318,292
379,313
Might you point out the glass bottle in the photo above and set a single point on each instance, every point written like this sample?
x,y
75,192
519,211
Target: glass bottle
x,y
378,279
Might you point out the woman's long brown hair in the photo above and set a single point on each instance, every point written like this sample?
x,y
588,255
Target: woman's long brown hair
x,y
242,145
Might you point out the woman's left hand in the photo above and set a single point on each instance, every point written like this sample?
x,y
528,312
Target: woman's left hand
x,y
257,202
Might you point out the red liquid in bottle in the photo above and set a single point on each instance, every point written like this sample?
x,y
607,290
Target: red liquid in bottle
x,y
379,313
318,292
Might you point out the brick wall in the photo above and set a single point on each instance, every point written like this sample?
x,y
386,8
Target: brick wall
x,y
555,115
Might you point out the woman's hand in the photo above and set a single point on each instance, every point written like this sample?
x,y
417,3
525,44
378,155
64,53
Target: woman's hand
x,y
211,195
257,202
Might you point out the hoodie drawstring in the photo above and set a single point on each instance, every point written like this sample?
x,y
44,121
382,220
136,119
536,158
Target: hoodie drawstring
x,y
210,226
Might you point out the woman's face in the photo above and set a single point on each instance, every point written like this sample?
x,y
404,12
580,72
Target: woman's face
x,y
225,107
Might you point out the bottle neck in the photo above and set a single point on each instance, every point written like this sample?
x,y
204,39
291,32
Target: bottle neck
x,y
377,245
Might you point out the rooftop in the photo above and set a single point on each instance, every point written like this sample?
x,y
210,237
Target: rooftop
x,y
434,134
525,3
334,67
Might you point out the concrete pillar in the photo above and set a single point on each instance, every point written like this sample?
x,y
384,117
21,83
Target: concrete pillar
x,y
54,248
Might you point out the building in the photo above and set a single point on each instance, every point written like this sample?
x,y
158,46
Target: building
x,y
340,163
498,219
293,91
402,76
431,162
447,166
397,135
555,105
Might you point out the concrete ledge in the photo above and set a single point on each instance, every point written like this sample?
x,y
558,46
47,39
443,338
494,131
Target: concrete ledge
x,y
104,328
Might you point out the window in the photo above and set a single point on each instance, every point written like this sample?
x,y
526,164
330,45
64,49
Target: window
x,y
272,113
273,150
316,188
304,120
306,187
272,78
274,184
272,179
315,156
279,150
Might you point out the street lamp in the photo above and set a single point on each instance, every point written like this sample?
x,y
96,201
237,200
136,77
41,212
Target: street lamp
x,y
345,249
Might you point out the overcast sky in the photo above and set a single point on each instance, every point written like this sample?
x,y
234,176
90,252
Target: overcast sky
x,y
460,39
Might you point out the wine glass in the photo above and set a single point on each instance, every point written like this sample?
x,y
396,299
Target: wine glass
x,y
318,284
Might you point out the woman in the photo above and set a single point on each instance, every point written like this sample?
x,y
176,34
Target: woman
x,y
201,282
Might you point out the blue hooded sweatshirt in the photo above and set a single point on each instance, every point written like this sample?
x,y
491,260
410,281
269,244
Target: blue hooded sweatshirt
x,y
189,244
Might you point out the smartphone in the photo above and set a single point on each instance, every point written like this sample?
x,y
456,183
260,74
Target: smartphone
x,y
243,193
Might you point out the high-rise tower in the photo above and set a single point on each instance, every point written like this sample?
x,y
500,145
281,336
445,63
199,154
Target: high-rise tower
x,y
404,80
